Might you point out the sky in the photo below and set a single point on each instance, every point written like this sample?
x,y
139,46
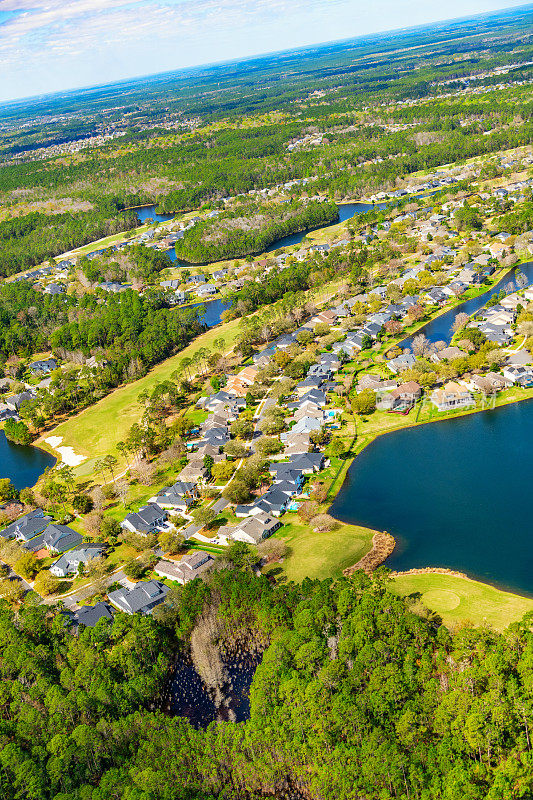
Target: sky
x,y
51,45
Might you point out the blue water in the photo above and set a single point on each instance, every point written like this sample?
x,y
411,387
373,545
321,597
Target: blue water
x,y
346,211
214,309
440,328
454,494
22,465
149,212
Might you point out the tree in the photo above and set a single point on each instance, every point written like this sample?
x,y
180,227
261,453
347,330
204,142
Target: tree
x,y
421,345
242,428
17,432
82,503
235,449
7,490
27,565
223,471
134,570
171,542
337,447
460,321
268,446
364,402
236,492
208,465
45,583
366,342
324,522
204,517
240,554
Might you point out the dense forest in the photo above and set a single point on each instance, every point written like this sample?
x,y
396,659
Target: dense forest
x,y
251,228
356,696
30,239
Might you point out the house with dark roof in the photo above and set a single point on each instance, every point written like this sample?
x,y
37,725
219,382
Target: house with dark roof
x,y
28,526
142,599
43,367
89,616
56,538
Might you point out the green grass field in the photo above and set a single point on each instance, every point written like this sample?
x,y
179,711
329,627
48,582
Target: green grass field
x,y
321,555
96,430
459,600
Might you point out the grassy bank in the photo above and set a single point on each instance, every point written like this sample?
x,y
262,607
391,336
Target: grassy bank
x,y
321,555
460,600
94,432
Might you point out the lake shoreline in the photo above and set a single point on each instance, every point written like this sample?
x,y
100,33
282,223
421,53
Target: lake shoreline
x,y
423,570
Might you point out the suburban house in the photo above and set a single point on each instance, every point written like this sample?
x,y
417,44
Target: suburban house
x,y
190,567
519,374
239,384
400,363
70,562
15,402
43,367
448,354
253,530
90,615
400,398
146,520
27,526
143,598
179,497
490,383
60,538
451,397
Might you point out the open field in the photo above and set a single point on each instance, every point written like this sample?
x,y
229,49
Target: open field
x,y
459,600
321,555
95,432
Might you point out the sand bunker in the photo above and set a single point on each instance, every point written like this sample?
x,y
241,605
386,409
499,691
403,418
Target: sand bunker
x,y
68,455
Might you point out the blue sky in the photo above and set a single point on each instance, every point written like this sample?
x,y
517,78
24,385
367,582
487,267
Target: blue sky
x,y
49,45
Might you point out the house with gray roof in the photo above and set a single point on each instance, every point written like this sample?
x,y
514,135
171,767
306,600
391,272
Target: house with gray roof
x,y
142,599
146,520
90,615
70,561
191,566
27,526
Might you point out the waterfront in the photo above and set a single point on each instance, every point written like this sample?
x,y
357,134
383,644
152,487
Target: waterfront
x,y
441,328
22,465
453,494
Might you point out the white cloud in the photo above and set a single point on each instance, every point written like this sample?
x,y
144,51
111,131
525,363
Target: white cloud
x,y
47,45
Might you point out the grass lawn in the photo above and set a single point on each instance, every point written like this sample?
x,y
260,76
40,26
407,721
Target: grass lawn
x,y
459,600
321,555
96,430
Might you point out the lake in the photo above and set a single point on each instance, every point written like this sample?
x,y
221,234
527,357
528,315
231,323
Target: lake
x,y
346,211
22,465
454,494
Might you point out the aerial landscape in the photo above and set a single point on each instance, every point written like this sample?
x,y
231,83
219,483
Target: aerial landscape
x,y
266,401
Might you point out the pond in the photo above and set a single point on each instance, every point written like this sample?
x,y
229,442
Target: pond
x,y
214,309
453,494
187,696
149,212
22,465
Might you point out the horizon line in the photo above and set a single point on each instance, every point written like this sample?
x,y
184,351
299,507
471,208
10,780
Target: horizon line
x,y
4,104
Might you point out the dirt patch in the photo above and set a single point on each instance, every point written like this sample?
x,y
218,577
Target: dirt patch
x,y
430,570
383,545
